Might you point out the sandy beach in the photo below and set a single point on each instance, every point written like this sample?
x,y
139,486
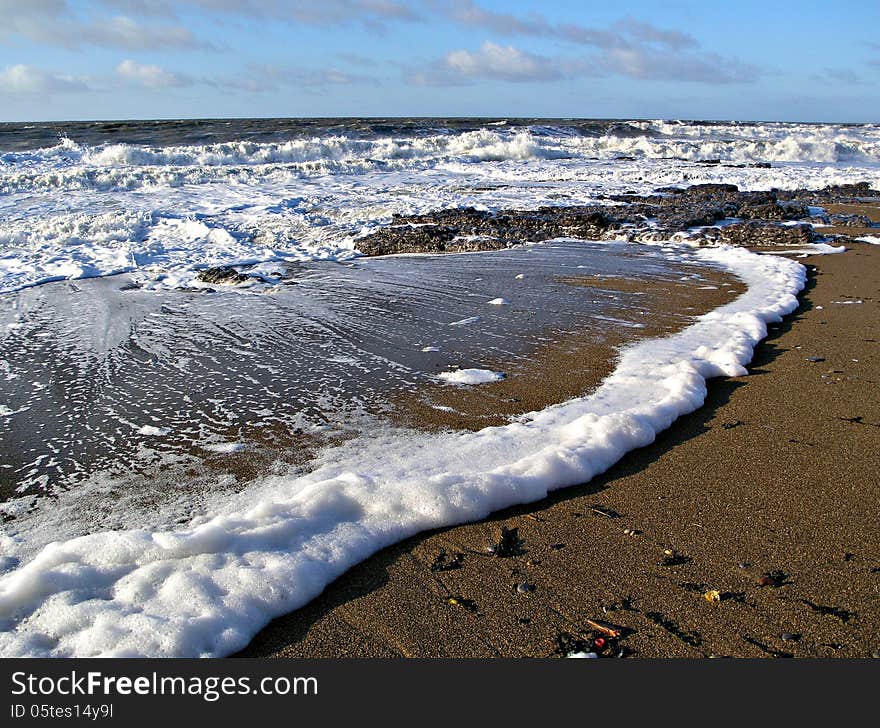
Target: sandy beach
x,y
748,529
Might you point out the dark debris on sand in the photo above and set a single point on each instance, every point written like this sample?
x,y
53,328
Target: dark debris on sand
x,y
509,544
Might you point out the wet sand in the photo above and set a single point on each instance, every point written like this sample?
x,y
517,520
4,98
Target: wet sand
x,y
569,364
767,495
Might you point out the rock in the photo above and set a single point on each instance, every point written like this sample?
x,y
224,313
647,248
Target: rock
x,y
684,213
773,579
842,220
467,604
773,211
221,275
525,588
509,543
854,192
759,233
674,559
790,637
467,229
444,562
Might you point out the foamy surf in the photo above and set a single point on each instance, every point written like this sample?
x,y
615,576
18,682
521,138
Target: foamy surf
x,y
163,211
204,590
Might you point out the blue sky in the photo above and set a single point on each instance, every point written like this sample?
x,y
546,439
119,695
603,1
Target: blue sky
x,y
122,59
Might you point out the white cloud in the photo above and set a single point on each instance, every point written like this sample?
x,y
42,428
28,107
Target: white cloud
x,y
629,47
267,78
24,79
501,62
837,76
150,76
123,32
54,22
314,12
654,65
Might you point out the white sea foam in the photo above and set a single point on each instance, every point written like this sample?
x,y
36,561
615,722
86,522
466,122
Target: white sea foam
x,y
471,376
74,211
225,448
465,321
206,588
153,431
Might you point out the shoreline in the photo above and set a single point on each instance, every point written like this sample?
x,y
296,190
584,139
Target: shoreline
x,y
493,468
718,503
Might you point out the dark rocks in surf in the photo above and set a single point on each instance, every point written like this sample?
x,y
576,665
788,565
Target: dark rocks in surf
x,y
852,192
773,211
468,229
753,219
844,220
761,233
224,275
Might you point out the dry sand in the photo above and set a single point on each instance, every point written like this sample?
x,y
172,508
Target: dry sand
x,y
777,473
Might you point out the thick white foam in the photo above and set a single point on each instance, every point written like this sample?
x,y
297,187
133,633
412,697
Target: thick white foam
x,y
471,376
207,588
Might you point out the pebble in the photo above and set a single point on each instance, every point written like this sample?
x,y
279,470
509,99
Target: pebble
x,y
876,654
790,637
525,588
744,564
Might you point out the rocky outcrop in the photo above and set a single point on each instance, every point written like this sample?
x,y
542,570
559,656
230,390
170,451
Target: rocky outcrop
x,y
761,233
223,275
846,193
753,219
844,220
773,211
467,229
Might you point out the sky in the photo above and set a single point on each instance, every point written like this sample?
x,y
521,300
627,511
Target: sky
x,y
152,59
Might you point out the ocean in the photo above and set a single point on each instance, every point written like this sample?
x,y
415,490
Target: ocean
x,y
181,461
